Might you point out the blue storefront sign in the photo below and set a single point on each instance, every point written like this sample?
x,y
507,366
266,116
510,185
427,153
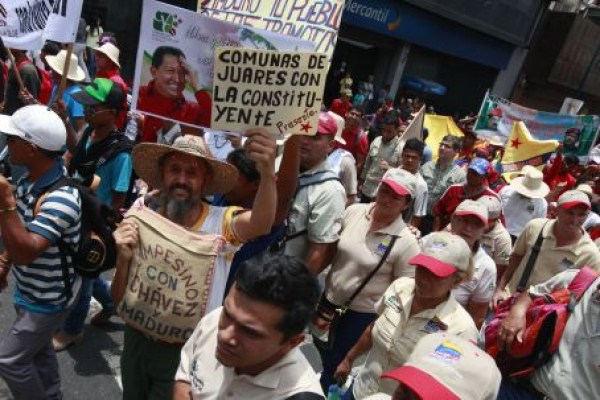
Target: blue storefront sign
x,y
414,25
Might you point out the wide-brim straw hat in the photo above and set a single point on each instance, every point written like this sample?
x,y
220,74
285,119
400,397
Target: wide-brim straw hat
x,y
146,158
531,184
57,63
111,51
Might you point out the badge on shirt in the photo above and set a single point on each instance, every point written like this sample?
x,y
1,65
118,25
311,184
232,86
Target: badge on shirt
x,y
195,380
434,325
393,303
382,246
566,264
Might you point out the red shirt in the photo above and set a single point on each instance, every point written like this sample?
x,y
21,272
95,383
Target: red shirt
x,y
454,195
113,75
552,176
357,143
340,108
151,101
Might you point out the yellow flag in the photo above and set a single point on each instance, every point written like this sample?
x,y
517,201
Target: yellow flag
x,y
438,127
522,149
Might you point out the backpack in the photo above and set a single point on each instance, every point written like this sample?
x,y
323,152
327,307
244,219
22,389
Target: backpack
x,y
546,319
97,249
46,83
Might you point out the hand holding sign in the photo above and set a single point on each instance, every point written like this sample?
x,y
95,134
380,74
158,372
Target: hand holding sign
x,y
262,148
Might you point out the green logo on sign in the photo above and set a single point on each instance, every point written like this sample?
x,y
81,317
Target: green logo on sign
x,y
165,22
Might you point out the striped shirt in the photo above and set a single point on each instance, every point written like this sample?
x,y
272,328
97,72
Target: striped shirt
x,y
40,285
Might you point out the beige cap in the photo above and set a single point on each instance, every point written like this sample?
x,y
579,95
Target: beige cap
x,y
57,63
447,367
587,189
493,205
341,124
401,181
443,253
111,51
472,207
531,183
573,198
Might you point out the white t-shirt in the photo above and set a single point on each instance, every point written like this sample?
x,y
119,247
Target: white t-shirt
x,y
481,287
519,210
592,220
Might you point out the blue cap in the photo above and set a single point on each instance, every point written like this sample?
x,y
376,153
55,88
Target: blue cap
x,y
479,165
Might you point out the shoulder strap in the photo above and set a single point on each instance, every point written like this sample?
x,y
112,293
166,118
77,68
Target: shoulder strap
x,y
315,179
535,251
373,272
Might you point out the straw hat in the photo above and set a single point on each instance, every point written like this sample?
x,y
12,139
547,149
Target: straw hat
x,y
531,184
146,158
57,63
111,51
587,189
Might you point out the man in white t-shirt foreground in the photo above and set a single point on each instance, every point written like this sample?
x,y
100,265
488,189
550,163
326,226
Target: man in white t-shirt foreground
x,y
248,349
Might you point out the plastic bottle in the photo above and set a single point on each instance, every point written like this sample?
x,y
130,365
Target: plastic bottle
x,y
333,393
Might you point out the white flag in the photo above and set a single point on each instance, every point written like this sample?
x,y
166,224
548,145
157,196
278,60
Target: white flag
x,y
26,24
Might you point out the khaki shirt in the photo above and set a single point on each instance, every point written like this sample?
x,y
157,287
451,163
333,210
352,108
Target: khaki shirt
x,y
210,379
439,180
551,259
573,372
395,334
358,254
371,172
497,244
317,209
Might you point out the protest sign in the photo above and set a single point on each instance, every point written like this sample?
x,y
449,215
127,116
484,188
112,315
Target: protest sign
x,y
280,91
571,106
169,277
317,21
26,24
174,68
576,132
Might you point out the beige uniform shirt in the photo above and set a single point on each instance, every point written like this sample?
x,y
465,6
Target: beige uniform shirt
x,y
210,379
318,209
395,334
497,244
573,373
551,259
358,254
372,172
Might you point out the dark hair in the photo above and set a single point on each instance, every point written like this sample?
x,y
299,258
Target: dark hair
x,y
571,160
285,282
162,51
414,144
51,47
357,109
425,133
455,142
391,119
247,167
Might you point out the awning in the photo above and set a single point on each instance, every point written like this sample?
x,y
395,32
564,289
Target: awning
x,y
423,85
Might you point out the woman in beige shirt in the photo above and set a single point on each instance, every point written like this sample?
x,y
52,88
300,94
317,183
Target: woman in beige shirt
x,y
367,232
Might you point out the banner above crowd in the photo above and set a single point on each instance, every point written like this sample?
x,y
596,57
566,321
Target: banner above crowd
x,y
576,132
317,21
280,91
522,149
175,60
26,24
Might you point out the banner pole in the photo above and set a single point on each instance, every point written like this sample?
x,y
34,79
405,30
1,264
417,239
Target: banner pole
x,y
14,64
65,72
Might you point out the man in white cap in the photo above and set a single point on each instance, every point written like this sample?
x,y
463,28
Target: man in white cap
x,y
46,285
565,245
446,367
523,200
108,66
342,161
75,111
185,172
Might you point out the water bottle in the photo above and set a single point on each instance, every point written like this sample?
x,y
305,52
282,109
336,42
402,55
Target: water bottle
x,y
334,392
131,131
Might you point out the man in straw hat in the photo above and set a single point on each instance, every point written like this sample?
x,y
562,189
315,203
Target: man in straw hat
x,y
184,173
524,200
565,245
75,74
163,95
107,66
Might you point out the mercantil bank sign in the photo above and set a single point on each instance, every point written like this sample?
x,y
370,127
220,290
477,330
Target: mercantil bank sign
x,y
373,13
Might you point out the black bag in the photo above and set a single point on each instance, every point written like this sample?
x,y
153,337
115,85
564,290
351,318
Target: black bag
x,y
326,308
97,249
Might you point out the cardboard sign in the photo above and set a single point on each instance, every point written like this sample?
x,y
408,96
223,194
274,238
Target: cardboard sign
x,y
280,91
169,277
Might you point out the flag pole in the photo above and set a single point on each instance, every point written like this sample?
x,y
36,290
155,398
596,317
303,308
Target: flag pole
x,y
14,64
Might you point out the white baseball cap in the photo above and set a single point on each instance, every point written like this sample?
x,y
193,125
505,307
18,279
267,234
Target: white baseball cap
x,y
38,125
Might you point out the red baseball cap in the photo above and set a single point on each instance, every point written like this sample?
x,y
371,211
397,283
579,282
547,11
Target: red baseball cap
x,y
327,124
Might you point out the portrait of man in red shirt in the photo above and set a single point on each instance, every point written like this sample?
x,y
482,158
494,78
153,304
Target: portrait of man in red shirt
x,y
164,94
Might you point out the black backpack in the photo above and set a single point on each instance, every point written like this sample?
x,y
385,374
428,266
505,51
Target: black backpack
x,y
97,249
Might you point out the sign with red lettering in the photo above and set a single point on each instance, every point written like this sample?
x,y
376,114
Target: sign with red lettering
x,y
169,279
279,91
